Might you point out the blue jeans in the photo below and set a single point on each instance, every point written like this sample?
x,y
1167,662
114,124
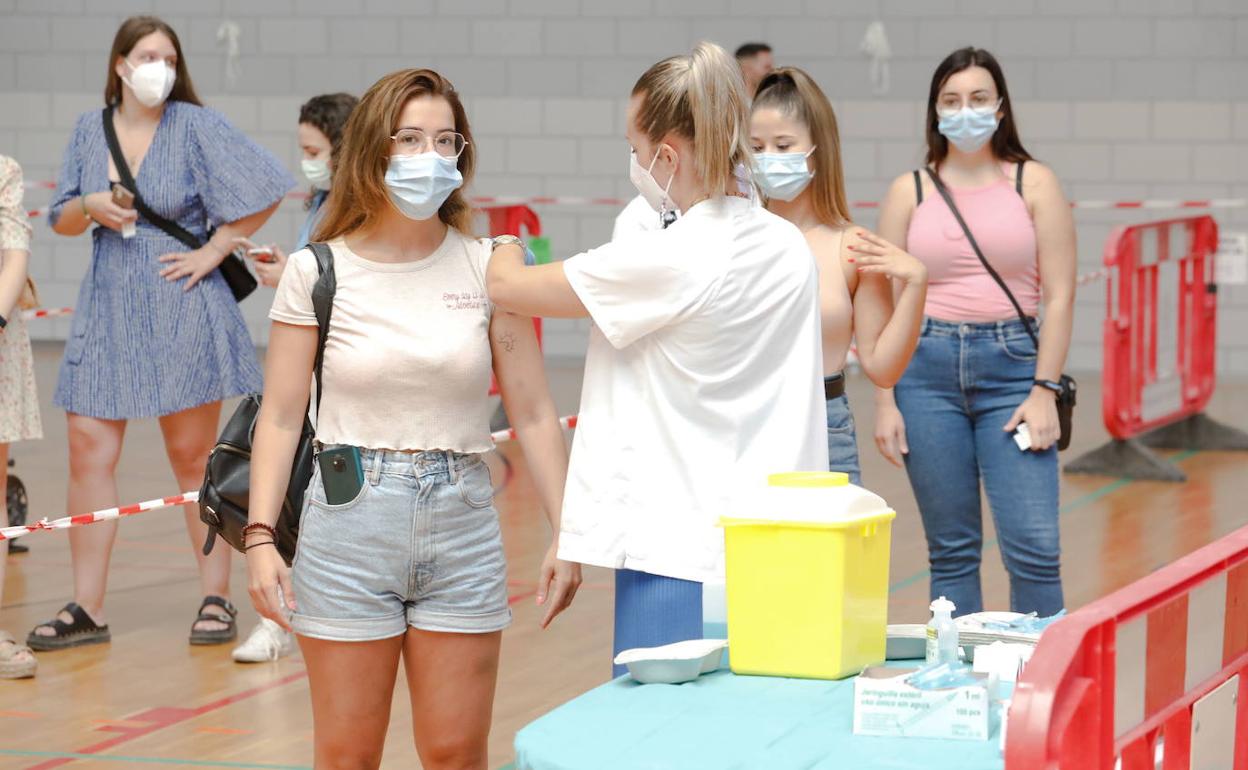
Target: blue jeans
x,y
843,440
961,387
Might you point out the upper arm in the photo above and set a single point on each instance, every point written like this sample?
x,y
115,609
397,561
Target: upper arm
x,y
69,177
288,373
896,209
1055,230
518,364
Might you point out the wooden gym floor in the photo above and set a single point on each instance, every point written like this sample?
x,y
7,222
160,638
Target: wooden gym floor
x,y
150,700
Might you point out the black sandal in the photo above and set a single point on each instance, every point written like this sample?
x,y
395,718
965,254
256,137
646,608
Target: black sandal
x,y
81,632
216,635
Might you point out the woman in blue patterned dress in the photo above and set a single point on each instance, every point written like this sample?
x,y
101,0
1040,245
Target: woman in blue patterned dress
x,y
157,332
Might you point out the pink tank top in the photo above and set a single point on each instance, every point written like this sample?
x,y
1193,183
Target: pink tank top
x,y
959,288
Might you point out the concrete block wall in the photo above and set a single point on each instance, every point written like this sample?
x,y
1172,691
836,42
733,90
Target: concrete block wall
x,y
1126,99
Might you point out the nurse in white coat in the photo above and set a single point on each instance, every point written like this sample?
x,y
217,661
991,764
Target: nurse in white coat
x,y
704,363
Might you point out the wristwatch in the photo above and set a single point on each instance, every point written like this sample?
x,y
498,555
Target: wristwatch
x,y
1056,387
507,240
3,322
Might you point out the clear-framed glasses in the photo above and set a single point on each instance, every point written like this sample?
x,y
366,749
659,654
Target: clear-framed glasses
x,y
413,141
981,103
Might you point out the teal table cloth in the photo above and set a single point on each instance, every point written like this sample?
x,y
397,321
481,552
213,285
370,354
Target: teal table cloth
x,y
727,722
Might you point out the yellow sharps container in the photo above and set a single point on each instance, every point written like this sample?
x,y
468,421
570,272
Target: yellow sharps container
x,y
807,573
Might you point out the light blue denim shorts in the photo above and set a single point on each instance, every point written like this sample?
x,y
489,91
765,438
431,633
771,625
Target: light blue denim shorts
x,y
420,546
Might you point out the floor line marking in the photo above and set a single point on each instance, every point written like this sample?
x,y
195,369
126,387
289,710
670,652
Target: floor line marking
x,y
70,756
1073,505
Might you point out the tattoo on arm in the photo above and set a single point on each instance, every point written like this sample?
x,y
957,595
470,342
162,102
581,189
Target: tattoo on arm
x,y
508,341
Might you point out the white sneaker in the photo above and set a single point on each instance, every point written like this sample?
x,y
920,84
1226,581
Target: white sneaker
x,y
267,642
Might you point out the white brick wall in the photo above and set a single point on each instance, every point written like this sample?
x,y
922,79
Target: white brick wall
x,y
1124,98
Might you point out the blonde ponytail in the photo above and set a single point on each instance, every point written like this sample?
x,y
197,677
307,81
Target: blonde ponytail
x,y
700,97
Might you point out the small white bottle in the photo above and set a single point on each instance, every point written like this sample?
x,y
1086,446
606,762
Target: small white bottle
x,y
942,633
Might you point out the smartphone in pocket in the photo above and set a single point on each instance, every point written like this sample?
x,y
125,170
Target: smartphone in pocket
x,y
342,474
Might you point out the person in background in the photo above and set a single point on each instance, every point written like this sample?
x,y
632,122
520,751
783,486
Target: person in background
x,y
407,565
756,61
703,364
797,165
19,402
977,375
157,331
321,123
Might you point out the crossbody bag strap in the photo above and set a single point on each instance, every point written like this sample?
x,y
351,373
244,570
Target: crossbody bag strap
x,y
172,229
323,306
944,193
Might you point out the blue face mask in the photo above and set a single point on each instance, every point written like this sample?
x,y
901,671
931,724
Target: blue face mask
x,y
782,175
420,184
967,129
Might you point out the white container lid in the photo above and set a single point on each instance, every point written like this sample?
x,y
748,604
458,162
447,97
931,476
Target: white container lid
x,y
807,497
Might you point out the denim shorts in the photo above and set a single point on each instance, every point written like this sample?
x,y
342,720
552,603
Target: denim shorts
x,y
419,546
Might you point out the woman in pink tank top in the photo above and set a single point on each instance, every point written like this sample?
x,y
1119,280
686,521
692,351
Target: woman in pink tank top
x,y
976,376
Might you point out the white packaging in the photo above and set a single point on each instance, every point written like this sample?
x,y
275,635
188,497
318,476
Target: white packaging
x,y
1003,660
885,705
1022,437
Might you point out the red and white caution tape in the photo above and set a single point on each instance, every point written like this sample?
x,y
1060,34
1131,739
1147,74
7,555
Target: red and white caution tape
x,y
30,315
572,200
1092,277
108,514
510,434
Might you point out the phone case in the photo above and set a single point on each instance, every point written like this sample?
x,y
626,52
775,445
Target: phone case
x,y
342,474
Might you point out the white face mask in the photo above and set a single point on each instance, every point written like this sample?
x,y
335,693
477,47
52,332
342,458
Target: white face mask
x,y
316,171
420,184
643,180
151,82
782,175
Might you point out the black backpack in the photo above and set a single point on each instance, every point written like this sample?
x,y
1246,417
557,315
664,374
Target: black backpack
x,y
224,500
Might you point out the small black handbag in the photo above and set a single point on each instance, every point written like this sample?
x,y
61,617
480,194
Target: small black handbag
x,y
240,280
224,499
1069,388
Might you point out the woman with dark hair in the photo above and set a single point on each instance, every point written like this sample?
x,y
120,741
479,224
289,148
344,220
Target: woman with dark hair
x,y
157,331
797,165
322,119
977,375
400,557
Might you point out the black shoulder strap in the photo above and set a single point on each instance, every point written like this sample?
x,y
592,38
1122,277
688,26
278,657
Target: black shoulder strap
x,y
944,193
1018,179
918,188
323,305
127,180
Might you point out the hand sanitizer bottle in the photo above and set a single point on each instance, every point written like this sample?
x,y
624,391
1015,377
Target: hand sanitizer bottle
x,y
942,633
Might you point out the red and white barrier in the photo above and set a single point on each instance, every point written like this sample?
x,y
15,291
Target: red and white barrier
x,y
109,514
57,312
582,201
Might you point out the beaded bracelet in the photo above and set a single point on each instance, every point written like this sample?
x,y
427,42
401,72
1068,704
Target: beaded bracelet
x,y
259,526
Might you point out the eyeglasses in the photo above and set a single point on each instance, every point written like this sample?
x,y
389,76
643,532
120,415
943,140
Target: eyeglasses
x,y
979,102
413,141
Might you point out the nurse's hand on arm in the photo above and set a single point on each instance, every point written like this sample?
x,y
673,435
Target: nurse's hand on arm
x,y
292,350
521,376
541,291
895,212
195,265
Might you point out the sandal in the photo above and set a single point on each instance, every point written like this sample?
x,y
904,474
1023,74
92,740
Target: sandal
x,y
82,631
11,664
215,635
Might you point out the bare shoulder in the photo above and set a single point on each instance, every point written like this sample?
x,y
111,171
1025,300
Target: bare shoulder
x,y
1039,177
825,241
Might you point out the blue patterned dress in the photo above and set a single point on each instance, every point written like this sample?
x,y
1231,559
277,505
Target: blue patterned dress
x,y
142,346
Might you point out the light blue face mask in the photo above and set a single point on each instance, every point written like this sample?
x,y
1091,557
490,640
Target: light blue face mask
x,y
967,129
782,175
420,184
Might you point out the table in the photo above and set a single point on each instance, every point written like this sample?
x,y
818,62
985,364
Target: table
x,y
727,722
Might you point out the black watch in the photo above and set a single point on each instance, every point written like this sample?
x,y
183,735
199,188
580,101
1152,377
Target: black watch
x,y
1056,387
3,322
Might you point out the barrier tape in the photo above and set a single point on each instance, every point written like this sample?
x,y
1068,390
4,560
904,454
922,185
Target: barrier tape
x,y
30,315
110,514
571,200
